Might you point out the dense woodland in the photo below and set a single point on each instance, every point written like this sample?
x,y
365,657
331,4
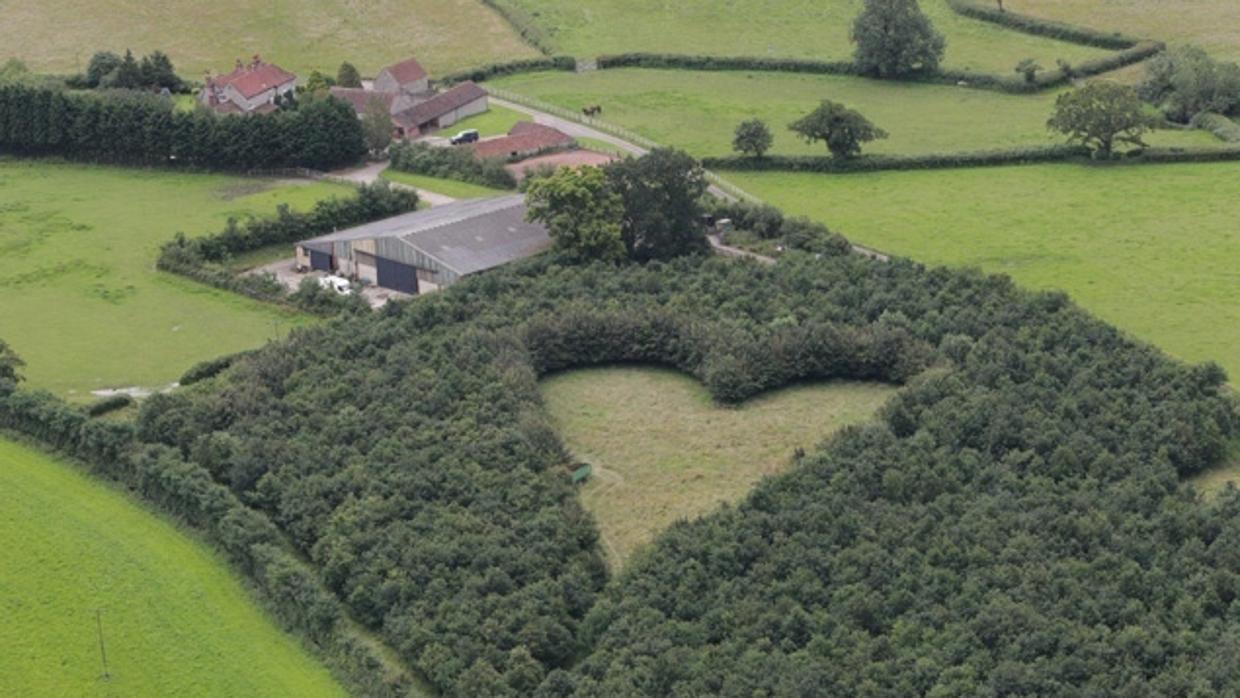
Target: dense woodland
x,y
1015,524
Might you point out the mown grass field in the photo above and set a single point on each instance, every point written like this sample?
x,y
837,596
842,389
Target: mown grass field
x,y
699,111
80,299
442,185
662,450
780,28
1211,24
1151,249
299,35
496,121
175,621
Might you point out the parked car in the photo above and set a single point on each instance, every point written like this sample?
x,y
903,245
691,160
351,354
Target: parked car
x,y
466,136
339,284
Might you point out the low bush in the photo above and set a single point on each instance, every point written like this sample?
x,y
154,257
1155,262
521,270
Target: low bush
x,y
1223,128
450,163
1042,27
108,404
769,223
208,369
876,163
494,70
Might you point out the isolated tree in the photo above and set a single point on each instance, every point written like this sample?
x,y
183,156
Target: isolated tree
x,y
10,362
347,76
1100,115
1029,68
843,130
317,82
581,211
662,194
752,138
377,124
895,39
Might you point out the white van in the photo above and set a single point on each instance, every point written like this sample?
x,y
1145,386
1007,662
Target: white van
x,y
339,284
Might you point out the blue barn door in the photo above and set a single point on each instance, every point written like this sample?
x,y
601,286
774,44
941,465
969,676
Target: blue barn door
x,y
397,276
320,261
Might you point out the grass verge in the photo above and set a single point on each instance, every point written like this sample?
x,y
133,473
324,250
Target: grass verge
x,y
175,621
440,185
662,450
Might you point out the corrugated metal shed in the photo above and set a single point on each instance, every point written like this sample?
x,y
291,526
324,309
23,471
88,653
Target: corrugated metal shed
x,y
463,237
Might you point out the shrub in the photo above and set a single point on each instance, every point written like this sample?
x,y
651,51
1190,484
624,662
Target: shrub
x,y
1100,115
1222,127
752,138
109,404
843,130
769,223
451,163
494,70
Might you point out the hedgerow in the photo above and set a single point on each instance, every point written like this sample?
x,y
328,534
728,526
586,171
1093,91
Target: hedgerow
x,y
451,163
525,25
205,259
1222,127
1042,27
875,163
494,70
249,540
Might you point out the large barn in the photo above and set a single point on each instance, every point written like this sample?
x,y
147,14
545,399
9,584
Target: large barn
x,y
429,249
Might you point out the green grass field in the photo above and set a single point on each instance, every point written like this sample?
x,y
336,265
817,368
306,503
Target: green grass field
x,y
781,28
80,300
662,450
699,111
441,185
175,621
1151,249
1211,24
299,35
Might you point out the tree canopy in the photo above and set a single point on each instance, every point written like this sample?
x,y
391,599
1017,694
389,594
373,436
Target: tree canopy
x,y
895,39
348,76
581,211
843,130
661,193
752,138
1100,115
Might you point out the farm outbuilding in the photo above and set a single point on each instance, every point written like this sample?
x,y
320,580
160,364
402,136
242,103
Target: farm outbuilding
x,y
429,249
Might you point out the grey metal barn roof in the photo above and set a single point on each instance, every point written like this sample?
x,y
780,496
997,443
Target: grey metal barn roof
x,y
465,236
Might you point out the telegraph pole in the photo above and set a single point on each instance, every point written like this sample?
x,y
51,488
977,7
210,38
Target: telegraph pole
x,y
103,653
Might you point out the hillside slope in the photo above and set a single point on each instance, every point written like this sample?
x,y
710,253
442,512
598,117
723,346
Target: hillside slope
x,y
300,35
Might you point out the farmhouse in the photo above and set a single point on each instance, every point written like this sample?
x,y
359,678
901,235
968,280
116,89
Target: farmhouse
x,y
525,139
249,89
416,109
429,249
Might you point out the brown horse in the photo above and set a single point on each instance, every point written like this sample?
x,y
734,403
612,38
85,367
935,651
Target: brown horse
x,y
592,110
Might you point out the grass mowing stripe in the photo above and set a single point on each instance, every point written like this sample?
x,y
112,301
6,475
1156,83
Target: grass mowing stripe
x,y
175,620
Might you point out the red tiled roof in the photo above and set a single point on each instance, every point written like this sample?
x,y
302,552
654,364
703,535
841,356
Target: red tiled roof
x,y
440,104
406,71
526,137
359,97
251,81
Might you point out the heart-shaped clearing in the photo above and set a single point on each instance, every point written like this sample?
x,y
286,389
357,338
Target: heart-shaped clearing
x,y
663,450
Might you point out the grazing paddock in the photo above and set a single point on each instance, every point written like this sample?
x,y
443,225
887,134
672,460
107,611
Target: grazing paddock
x,y
775,28
663,451
496,121
699,111
1211,24
1152,249
300,35
80,299
175,621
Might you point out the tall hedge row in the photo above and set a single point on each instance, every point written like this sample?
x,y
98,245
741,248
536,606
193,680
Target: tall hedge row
x,y
1042,27
185,491
495,70
143,129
